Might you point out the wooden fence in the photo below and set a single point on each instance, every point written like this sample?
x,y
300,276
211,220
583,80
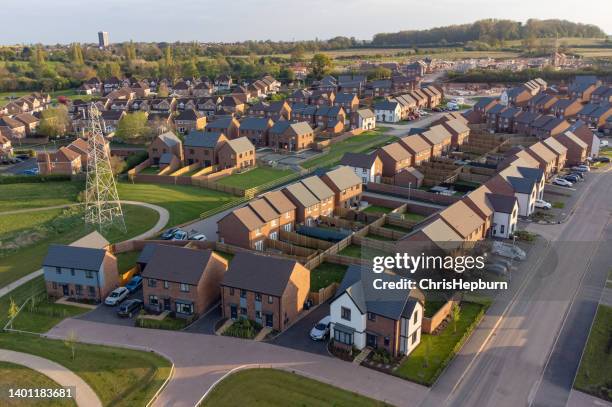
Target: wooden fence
x,y
365,242
291,249
305,241
388,233
413,194
184,170
430,324
324,294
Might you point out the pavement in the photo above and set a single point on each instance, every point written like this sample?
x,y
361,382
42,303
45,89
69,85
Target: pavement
x,y
580,399
83,394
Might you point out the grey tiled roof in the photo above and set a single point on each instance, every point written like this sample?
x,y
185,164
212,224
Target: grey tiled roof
x,y
83,258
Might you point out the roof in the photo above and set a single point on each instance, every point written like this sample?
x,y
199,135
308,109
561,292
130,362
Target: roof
x,y
573,138
170,139
484,102
457,126
263,209
554,145
344,97
386,105
146,253
318,188
279,201
415,143
241,145
188,115
396,151
365,113
358,160
202,139
478,198
221,123
463,219
343,178
259,273
83,258
298,128
441,234
542,152
178,264
521,185
437,134
302,194
535,174
254,123
248,217
502,203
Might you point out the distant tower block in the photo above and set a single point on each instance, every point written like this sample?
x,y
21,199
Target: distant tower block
x,y
103,40
102,206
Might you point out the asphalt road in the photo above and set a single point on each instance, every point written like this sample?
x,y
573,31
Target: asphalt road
x,y
506,367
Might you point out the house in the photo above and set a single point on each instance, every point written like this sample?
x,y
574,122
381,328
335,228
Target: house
x,y
493,116
83,273
189,120
433,236
203,147
464,221
582,90
478,202
361,316
349,102
6,148
506,122
524,189
602,95
300,96
368,167
81,147
541,103
243,227
64,161
165,143
236,153
279,110
552,127
525,120
458,129
288,136
387,111
227,125
505,214
268,290
482,107
535,174
18,128
363,119
308,206
30,121
182,280
439,139
518,96
223,82
409,177
328,116
324,194
595,115
346,186
284,207
394,158
546,159
566,108
577,150
111,119
418,147
558,150
256,129
584,133
203,89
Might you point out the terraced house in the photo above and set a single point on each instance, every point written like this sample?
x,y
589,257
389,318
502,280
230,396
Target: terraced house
x,y
346,186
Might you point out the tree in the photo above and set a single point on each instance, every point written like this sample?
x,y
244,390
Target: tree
x,y
320,64
189,69
70,341
298,53
132,127
130,51
54,121
108,69
77,54
13,311
163,91
117,164
455,315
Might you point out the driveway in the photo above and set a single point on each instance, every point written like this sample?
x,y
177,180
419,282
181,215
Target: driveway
x,y
108,315
206,323
298,335
202,360
20,167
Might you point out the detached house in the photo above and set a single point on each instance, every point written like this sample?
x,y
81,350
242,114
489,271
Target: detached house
x,y
189,120
346,186
203,147
228,125
264,289
256,129
236,153
165,143
368,167
361,316
289,136
363,119
387,111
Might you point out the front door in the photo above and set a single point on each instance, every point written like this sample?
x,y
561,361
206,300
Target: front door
x,y
233,312
167,304
371,340
65,289
270,320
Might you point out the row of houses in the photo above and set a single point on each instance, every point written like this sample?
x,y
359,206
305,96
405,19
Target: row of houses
x,y
302,202
401,107
67,160
20,117
359,85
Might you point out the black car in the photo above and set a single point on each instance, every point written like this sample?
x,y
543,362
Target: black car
x,y
603,159
571,178
129,308
167,235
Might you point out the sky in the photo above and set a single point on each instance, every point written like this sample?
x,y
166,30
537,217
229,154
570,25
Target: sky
x,y
66,21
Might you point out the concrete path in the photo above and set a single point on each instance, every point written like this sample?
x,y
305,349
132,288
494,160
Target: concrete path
x,y
201,360
164,215
46,208
580,399
83,394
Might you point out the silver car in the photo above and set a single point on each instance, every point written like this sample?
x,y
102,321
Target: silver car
x,y
320,331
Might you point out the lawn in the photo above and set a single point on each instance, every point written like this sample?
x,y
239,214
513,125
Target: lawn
x,y
381,238
168,323
361,252
14,376
326,274
27,259
415,217
120,377
254,178
397,228
38,195
44,315
434,352
184,203
19,295
11,225
272,388
594,374
126,260
355,144
150,171
377,209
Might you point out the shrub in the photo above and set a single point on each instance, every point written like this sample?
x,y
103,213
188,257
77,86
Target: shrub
x,y
243,328
31,179
525,236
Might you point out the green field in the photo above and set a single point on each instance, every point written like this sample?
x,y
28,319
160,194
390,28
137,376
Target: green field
x,y
254,177
355,144
415,217
44,315
272,388
595,372
14,376
428,360
38,195
120,377
184,203
69,93
326,274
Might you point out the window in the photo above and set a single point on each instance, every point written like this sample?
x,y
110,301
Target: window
x,y
416,317
184,288
345,313
243,311
371,317
72,272
152,282
257,297
270,299
89,274
58,270
387,341
413,338
78,289
343,337
153,300
54,284
92,290
166,284
243,293
182,308
231,291
501,229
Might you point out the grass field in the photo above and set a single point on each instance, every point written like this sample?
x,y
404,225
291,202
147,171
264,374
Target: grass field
x,y
355,144
595,372
378,237
326,274
27,259
14,376
254,177
427,361
38,195
272,388
120,377
415,217
11,224
44,316
184,203
69,93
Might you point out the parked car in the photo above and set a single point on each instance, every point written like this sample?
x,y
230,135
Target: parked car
x,y
603,143
134,284
167,235
130,308
539,203
562,182
117,296
496,268
321,330
179,235
200,236
578,174
581,168
30,171
602,159
509,251
571,178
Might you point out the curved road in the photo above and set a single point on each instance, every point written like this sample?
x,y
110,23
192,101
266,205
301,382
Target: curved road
x,y
83,394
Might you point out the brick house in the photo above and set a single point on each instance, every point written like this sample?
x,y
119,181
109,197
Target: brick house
x,y
524,121
394,158
541,103
464,221
558,150
577,149
256,129
566,108
324,194
64,161
290,136
409,177
458,129
264,289
328,116
368,167
79,272
203,147
546,159
227,125
6,148
236,153
165,143
419,149
349,102
18,128
439,139
300,96
30,121
307,205
346,186
188,120
182,280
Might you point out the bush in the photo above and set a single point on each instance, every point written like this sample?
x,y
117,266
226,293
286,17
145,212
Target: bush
x,y
135,159
525,236
32,179
243,328
168,323
382,356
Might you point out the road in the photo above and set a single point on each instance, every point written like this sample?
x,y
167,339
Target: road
x,y
505,367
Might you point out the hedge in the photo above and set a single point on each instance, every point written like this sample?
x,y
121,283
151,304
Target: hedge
x,y
32,179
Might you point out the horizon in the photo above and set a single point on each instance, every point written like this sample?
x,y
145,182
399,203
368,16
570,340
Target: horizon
x,y
204,22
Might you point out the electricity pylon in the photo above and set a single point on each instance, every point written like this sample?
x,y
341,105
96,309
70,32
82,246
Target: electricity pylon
x,y
102,206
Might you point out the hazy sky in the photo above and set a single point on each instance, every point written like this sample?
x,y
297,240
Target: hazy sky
x,y
64,21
